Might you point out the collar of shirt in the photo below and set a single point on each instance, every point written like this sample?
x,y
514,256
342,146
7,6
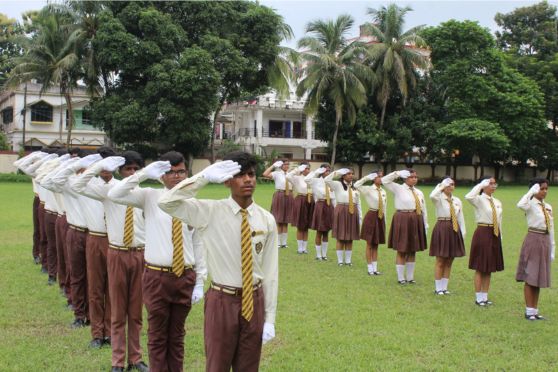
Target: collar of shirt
x,y
236,208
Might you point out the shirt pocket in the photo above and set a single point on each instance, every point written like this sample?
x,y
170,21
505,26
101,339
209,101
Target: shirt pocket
x,y
258,241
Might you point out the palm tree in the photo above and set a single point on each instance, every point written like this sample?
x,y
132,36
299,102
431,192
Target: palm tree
x,y
332,70
395,57
51,58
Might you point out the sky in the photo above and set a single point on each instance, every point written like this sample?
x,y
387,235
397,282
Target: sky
x,y
297,13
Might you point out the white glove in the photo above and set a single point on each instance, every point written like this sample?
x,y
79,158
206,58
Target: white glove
x,y
372,176
268,332
343,171
65,157
404,173
302,167
221,172
49,157
535,189
447,182
278,164
70,163
197,294
86,161
321,170
485,183
111,163
156,169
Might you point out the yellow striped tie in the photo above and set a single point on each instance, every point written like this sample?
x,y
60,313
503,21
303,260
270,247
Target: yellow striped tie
x,y
129,227
309,195
327,196
351,202
178,247
247,280
546,217
494,218
286,185
453,216
380,204
417,202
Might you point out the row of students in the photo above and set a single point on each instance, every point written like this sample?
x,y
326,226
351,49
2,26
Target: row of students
x,y
123,249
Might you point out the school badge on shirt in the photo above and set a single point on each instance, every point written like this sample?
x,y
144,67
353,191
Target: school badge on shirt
x,y
259,247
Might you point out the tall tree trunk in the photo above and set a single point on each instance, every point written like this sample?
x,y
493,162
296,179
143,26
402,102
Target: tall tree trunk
x,y
384,105
334,140
68,98
217,112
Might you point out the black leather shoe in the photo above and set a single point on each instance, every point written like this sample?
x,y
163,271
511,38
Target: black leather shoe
x,y
37,260
44,270
402,282
51,280
106,341
377,273
78,323
412,281
117,369
481,303
140,366
324,258
96,343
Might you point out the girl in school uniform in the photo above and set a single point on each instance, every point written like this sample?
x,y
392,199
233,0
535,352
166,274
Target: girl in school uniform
x,y
322,218
303,205
448,233
538,247
374,224
407,234
282,202
346,215
486,254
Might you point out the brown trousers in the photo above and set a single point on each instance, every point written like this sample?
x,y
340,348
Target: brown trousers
x,y
36,230
42,236
50,228
231,341
97,285
78,273
124,274
61,231
69,235
168,300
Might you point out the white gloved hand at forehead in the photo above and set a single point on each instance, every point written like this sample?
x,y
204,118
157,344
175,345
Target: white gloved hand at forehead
x,y
343,171
372,176
535,189
86,161
302,167
321,170
156,169
221,172
278,164
111,163
404,174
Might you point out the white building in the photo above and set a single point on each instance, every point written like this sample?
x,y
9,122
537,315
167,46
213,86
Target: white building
x,y
267,124
46,118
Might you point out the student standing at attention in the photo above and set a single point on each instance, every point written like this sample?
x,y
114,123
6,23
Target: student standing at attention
x,y
282,203
538,247
407,234
240,242
303,205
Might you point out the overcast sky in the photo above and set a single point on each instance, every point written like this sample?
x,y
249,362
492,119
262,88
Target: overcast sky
x,y
298,13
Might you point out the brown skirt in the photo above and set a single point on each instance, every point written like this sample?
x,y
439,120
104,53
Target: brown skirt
x,y
534,261
407,234
445,242
302,212
281,206
373,229
486,251
322,218
345,224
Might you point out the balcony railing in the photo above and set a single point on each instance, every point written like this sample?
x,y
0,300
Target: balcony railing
x,y
247,132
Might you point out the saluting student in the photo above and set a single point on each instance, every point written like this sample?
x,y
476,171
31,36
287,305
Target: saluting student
x,y
374,224
174,264
282,203
240,242
303,205
322,217
538,247
346,215
486,254
407,234
126,235
448,233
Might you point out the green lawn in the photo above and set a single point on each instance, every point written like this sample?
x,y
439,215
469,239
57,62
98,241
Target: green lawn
x,y
328,318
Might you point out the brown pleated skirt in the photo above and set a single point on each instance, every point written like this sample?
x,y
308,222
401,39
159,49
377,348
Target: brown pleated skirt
x,y
345,224
373,229
407,234
302,212
486,251
445,242
281,207
534,261
322,218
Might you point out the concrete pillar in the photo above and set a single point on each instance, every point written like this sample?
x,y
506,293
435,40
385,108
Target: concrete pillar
x,y
259,123
309,127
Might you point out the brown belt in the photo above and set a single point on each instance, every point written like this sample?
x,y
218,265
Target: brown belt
x,y
485,224
372,209
407,210
42,203
538,231
444,218
123,248
95,233
166,269
51,212
233,291
61,214
77,228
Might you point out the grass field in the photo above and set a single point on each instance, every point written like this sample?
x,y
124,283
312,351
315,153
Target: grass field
x,y
328,318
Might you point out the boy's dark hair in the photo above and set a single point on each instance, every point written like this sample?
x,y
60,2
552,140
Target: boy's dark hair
x,y
304,163
106,151
325,165
61,152
174,157
132,157
411,170
538,180
245,160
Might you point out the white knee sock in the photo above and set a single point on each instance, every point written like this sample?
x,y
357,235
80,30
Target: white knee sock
x,y
444,284
370,268
283,238
400,272
318,251
339,256
484,296
374,266
305,246
530,311
439,286
348,256
410,270
324,249
300,246
480,297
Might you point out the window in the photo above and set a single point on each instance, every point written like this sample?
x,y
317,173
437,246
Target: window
x,y
8,115
41,112
86,117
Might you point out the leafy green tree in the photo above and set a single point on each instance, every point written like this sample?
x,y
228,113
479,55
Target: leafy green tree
x,y
10,45
4,142
332,70
396,57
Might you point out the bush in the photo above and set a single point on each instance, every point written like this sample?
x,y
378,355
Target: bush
x,y
12,177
